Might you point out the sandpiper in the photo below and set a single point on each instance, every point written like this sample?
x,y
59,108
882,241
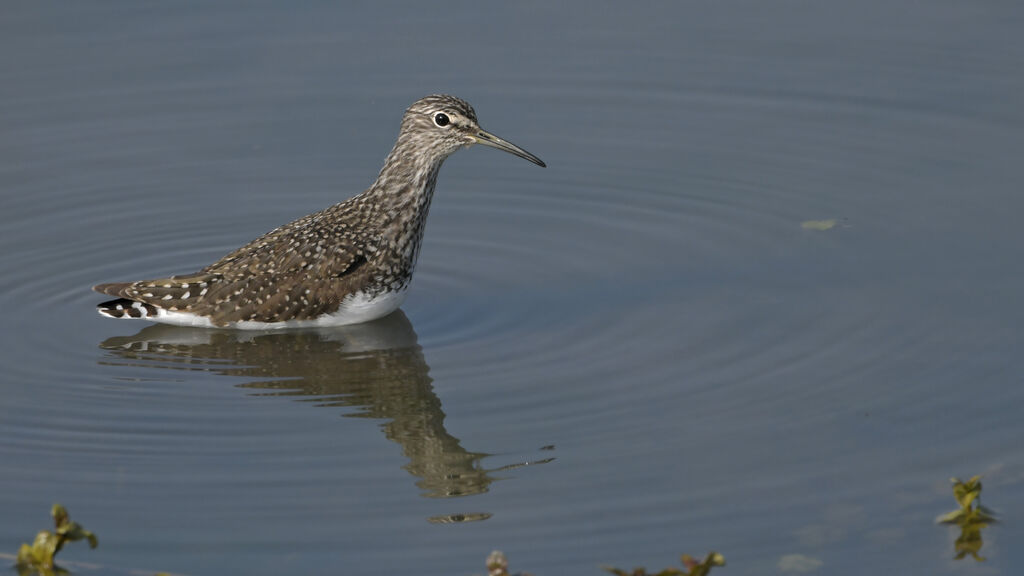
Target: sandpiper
x,y
349,263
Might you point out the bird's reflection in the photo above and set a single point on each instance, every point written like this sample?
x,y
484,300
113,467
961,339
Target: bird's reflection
x,y
377,368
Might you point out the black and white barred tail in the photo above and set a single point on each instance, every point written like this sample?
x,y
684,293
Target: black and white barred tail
x,y
128,309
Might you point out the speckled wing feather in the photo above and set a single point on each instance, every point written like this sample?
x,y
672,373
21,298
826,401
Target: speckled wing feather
x,y
295,272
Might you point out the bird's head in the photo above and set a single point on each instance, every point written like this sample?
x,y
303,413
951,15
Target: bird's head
x,y
443,124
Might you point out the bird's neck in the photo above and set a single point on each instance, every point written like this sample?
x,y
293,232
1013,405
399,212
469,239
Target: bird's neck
x,y
406,183
402,195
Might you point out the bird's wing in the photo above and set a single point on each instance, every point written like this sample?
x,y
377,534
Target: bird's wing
x,y
297,271
304,245
182,293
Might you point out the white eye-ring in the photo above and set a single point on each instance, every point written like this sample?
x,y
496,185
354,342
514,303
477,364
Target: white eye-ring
x,y
441,119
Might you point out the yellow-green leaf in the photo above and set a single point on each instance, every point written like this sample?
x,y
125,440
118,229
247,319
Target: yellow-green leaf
x,y
951,517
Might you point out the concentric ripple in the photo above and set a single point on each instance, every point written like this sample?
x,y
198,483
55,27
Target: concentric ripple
x,y
636,352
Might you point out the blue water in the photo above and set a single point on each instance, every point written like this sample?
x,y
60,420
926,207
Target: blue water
x,y
637,352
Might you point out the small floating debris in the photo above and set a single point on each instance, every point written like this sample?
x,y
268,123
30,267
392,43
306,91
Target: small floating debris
x,y
819,225
798,564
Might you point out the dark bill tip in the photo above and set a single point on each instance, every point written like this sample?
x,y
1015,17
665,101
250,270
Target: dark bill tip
x,y
487,139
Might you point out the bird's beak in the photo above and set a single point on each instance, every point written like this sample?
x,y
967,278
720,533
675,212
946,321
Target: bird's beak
x,y
487,139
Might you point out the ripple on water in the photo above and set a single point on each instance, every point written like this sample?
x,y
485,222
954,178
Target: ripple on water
x,y
575,300
708,370
514,270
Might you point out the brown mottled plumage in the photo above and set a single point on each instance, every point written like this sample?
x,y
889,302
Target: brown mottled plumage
x,y
317,266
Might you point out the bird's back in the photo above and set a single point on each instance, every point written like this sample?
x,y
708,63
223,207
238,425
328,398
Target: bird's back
x,y
299,271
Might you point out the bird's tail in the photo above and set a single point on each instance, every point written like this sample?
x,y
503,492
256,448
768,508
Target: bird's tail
x,y
127,309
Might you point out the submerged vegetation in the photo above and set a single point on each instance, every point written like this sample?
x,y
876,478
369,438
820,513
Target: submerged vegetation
x,y
971,517
38,557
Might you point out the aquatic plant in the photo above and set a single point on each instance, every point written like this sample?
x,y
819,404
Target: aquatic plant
x,y
690,567
39,556
971,517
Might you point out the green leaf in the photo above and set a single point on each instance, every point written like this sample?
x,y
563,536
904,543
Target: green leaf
x,y
30,556
967,492
74,532
951,517
60,515
986,515
977,516
41,552
39,556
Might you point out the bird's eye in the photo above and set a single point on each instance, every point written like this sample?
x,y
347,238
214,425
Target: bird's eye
x,y
441,119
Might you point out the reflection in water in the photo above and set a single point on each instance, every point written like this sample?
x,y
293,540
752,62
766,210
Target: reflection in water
x,y
971,518
376,367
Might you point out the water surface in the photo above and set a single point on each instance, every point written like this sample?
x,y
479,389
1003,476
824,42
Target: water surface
x,y
635,353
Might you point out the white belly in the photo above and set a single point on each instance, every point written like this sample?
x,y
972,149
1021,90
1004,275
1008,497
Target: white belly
x,y
355,309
